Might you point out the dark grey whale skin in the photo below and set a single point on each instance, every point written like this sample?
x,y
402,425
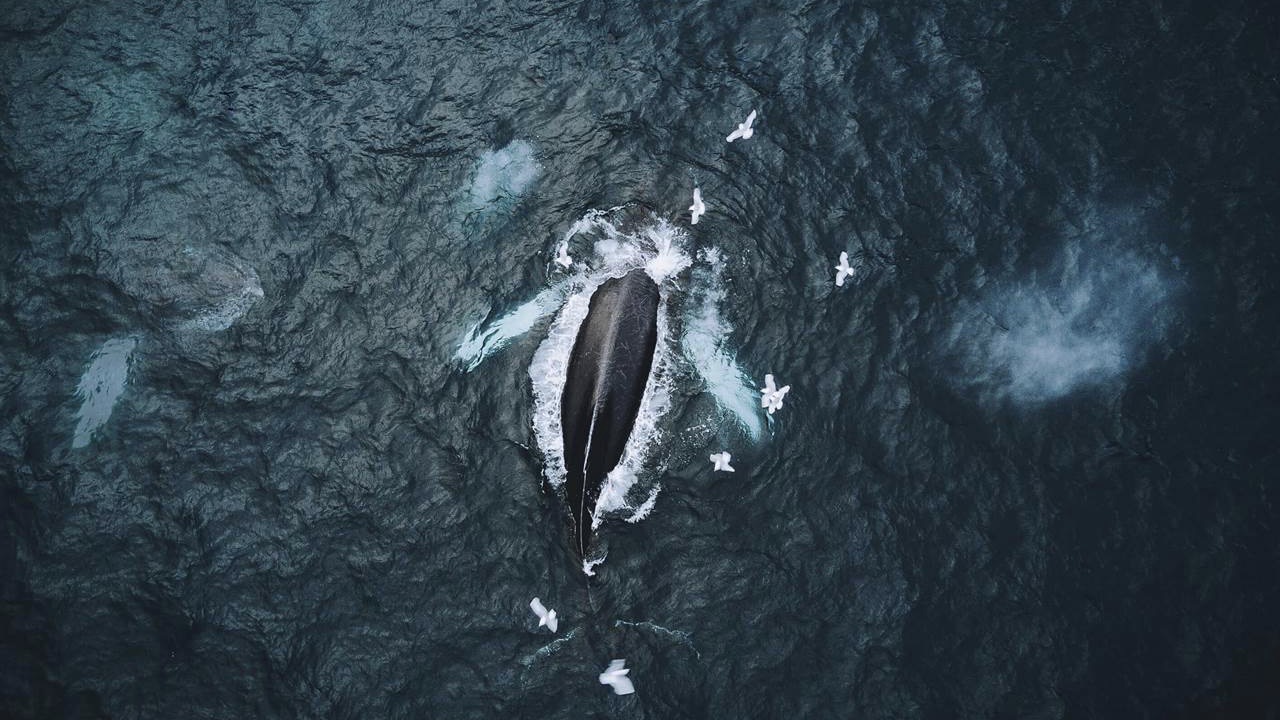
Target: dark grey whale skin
x,y
608,371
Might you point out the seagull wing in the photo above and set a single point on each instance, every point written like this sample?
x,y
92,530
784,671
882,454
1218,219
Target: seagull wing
x,y
727,467
750,118
616,676
538,608
734,135
553,622
622,685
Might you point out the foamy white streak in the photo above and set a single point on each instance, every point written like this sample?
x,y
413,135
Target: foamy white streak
x,y
506,172
549,649
547,371
481,343
589,566
647,506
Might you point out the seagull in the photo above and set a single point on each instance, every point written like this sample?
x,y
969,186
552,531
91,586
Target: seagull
x,y
562,255
721,459
771,395
616,676
744,130
545,616
698,208
843,270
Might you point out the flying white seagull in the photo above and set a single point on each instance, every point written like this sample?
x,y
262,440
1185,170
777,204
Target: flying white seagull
x,y
721,459
545,616
616,676
771,395
698,208
562,255
744,130
843,270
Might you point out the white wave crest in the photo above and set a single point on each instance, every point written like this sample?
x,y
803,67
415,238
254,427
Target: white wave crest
x,y
647,506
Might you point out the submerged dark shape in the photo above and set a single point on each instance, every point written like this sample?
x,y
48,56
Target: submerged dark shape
x,y
608,371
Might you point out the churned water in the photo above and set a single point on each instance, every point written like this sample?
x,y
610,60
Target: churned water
x,y
284,336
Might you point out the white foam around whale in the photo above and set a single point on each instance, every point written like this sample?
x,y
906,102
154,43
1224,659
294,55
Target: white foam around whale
x,y
101,386
617,248
659,248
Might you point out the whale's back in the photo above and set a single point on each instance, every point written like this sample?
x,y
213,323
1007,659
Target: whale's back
x,y
608,371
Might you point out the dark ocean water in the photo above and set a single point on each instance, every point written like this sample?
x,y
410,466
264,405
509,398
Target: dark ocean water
x,y
1025,470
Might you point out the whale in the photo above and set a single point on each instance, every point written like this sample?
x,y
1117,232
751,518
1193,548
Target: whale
x,y
607,374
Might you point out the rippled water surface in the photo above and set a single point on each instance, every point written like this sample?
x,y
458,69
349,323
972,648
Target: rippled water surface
x,y
283,335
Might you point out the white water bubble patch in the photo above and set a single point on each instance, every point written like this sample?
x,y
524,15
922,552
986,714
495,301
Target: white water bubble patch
x,y
101,387
504,174
669,257
1083,322
703,343
658,247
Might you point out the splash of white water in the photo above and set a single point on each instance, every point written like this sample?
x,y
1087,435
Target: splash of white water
x,y
646,507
